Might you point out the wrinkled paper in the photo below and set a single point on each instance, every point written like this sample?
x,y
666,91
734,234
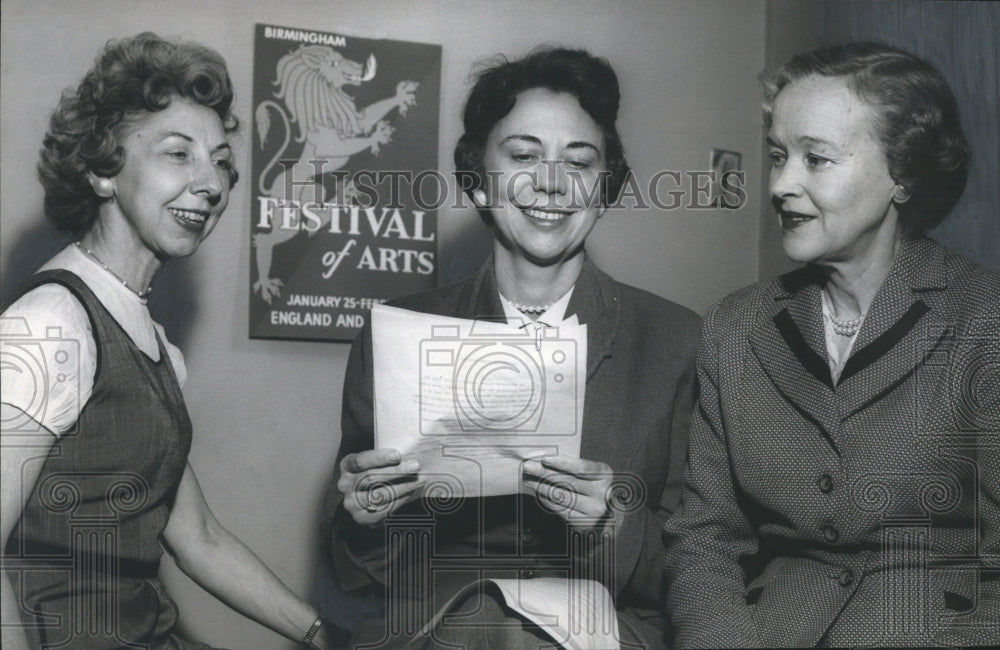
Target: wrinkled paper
x,y
576,614
473,399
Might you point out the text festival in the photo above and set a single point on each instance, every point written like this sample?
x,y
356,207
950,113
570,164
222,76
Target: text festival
x,y
354,220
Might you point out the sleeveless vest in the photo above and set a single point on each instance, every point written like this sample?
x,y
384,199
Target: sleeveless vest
x,y
85,555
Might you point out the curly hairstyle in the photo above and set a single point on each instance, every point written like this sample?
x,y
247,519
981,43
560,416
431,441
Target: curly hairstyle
x,y
916,120
131,77
588,78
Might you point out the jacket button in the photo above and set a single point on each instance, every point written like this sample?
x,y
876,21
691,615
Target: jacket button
x,y
830,534
825,483
527,573
845,578
527,536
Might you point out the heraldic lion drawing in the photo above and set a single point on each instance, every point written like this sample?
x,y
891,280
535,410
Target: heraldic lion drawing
x,y
311,82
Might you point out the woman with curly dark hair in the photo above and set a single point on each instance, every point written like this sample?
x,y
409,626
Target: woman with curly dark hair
x,y
136,164
842,487
542,159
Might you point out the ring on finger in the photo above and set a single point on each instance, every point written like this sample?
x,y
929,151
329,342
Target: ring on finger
x,y
371,505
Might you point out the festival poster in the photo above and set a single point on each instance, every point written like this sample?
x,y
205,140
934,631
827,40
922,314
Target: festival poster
x,y
345,133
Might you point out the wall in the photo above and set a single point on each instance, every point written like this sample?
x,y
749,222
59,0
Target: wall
x,y
266,412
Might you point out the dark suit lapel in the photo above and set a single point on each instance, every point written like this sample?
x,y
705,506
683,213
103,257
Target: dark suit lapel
x,y
906,320
788,342
800,323
482,298
596,303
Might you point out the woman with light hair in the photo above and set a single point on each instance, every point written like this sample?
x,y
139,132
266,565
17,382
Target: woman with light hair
x,y
137,166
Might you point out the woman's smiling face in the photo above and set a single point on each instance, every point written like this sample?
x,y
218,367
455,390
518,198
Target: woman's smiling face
x,y
544,164
174,183
829,179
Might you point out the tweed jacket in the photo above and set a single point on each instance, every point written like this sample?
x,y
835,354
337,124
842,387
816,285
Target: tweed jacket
x,y
860,513
639,396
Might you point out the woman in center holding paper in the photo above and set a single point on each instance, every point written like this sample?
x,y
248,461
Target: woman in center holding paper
x,y
542,159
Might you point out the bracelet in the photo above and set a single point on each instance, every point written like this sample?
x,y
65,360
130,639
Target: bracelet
x,y
307,640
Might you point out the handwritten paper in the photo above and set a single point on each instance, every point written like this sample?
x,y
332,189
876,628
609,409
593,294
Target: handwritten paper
x,y
576,614
472,400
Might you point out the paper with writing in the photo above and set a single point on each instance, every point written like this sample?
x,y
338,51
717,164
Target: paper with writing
x,y
473,399
576,614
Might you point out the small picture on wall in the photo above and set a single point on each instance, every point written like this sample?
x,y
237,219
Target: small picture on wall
x,y
725,178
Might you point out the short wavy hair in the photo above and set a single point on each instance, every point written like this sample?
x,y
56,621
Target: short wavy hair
x,y
916,120
131,77
588,78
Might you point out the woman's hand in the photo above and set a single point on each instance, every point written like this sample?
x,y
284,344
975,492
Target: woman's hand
x,y
574,488
376,482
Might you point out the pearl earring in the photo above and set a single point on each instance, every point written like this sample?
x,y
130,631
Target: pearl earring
x,y
900,195
104,188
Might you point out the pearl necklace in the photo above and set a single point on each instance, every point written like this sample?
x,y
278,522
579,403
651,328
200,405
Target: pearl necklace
x,y
141,294
530,309
842,327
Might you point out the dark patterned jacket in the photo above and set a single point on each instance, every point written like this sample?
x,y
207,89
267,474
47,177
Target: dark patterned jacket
x,y
856,514
639,398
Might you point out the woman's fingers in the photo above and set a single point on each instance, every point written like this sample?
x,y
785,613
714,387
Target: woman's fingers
x,y
369,459
557,481
376,482
408,470
569,496
373,504
567,503
568,486
350,481
585,476
576,466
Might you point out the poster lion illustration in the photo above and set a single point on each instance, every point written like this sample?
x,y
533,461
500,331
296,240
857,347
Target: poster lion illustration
x,y
341,127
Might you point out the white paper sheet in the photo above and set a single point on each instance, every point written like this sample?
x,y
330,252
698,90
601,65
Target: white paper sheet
x,y
471,400
577,614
